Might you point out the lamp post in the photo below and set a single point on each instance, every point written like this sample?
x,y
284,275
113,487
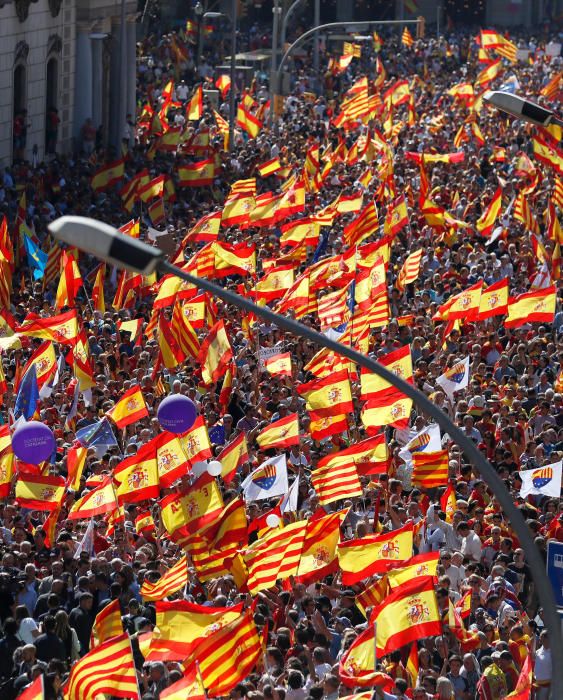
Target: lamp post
x,y
106,243
521,108
198,11
233,19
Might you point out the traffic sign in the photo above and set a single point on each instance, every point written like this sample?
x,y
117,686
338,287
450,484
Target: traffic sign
x,y
555,569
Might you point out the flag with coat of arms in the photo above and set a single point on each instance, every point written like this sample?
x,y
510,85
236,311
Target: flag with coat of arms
x,y
456,378
544,481
267,480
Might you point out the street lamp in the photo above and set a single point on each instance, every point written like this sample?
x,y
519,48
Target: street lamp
x,y
108,244
521,108
233,20
198,11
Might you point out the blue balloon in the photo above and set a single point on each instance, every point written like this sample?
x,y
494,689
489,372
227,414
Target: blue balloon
x,y
33,442
177,413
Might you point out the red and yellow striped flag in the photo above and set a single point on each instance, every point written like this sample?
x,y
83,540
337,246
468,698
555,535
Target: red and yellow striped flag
x,y
173,580
274,556
373,595
406,38
430,469
228,655
333,481
107,624
410,270
130,408
281,433
108,669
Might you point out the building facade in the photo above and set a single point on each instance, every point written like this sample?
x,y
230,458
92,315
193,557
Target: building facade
x,y
62,62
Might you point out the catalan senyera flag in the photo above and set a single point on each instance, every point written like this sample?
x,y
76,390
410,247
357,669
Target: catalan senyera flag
x,y
372,596
173,580
488,218
108,175
532,307
331,396
215,353
38,492
189,686
319,556
408,614
61,329
227,656
170,352
410,270
234,455
274,556
406,38
374,554
357,666
494,300
387,407
281,433
419,565
107,624
200,174
398,361
181,625
430,469
334,479
279,365
97,502
523,213
269,167
185,514
130,408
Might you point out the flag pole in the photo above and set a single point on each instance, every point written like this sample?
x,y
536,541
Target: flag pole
x,y
374,645
200,679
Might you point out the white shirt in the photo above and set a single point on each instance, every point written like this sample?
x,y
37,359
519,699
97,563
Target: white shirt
x,y
26,628
454,574
542,666
471,547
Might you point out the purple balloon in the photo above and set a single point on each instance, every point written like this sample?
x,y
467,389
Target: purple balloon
x,y
177,413
33,442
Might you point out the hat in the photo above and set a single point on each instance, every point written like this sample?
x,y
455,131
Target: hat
x,y
343,621
347,593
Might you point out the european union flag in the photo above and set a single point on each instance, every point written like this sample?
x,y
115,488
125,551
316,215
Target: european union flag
x,y
36,258
28,395
99,433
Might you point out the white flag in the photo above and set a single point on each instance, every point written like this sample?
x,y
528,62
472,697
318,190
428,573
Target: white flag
x,y
87,542
427,440
543,481
267,481
456,378
289,501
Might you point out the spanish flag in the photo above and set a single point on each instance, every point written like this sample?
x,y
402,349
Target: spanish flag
x,y
236,259
269,167
108,175
275,556
397,217
487,75
248,122
38,492
189,686
494,300
374,554
357,666
130,408
98,299
223,83
387,407
419,565
194,311
274,284
322,427
180,626
413,664
281,433
61,329
369,456
466,304
170,352
279,365
215,353
398,361
195,443
194,108
532,307
173,580
97,502
137,476
70,282
185,514
45,363
295,233
108,669
319,556
144,524
488,218
228,655
205,229
547,153
331,396
35,691
6,473
430,469
200,174
107,624
448,503
408,614
524,684
233,456
154,188
75,462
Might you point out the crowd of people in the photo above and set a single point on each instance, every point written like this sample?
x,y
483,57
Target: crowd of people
x,y
54,581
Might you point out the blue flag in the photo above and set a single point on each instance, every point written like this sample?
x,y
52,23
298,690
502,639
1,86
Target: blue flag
x,y
36,258
99,433
28,395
